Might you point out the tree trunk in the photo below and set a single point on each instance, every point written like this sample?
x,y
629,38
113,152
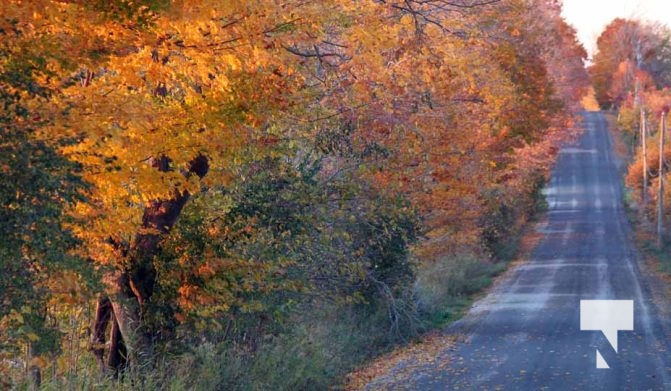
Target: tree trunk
x,y
103,314
34,372
117,357
35,377
129,290
127,314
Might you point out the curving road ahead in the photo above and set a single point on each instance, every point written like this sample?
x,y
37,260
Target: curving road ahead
x,y
525,335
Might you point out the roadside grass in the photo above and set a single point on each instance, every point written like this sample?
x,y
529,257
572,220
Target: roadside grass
x,y
661,258
449,286
312,353
453,309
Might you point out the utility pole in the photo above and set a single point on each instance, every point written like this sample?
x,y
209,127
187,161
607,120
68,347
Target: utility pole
x,y
639,63
644,136
660,196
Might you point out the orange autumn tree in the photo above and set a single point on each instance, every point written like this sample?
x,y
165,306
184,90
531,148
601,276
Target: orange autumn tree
x,y
430,97
470,107
540,54
162,111
631,56
170,108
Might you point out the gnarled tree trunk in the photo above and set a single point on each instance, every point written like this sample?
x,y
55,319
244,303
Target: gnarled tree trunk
x,y
129,290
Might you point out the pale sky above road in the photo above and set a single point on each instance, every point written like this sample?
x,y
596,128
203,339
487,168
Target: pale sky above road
x,y
589,17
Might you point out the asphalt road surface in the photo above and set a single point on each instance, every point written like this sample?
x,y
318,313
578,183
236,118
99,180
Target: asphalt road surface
x,y
525,334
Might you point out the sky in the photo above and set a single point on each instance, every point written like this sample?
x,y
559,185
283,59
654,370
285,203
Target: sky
x,y
589,17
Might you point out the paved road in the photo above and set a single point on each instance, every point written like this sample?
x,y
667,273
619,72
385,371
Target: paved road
x,y
526,333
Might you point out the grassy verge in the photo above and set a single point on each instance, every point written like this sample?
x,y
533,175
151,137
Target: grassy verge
x,y
450,285
660,259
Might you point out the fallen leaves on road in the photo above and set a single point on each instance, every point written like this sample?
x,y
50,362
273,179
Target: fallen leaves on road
x,y
401,363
